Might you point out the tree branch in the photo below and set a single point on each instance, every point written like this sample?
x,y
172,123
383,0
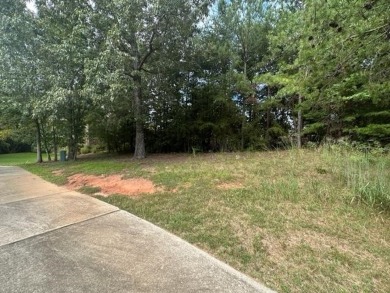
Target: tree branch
x,y
148,71
149,52
368,32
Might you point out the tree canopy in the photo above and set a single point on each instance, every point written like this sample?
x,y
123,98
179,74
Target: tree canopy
x,y
177,75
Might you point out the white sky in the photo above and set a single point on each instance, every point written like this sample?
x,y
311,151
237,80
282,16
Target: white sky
x,y
31,6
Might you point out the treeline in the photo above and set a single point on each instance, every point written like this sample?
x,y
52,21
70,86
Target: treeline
x,y
179,75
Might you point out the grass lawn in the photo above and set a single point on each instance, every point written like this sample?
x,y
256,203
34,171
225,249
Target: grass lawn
x,y
297,221
17,159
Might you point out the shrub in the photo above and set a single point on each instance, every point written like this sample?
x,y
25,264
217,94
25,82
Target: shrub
x,y
86,149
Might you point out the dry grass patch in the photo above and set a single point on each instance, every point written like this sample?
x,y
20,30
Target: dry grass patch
x,y
59,172
230,185
286,218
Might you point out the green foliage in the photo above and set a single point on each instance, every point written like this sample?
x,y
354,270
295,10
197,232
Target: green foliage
x,y
86,150
318,128
165,73
379,131
338,89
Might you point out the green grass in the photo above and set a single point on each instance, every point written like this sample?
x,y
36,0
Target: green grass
x,y
297,221
89,190
17,159
369,178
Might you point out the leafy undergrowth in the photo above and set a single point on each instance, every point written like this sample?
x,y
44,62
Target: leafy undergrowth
x,y
294,220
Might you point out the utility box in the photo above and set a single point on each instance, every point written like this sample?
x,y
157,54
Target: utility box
x,y
62,156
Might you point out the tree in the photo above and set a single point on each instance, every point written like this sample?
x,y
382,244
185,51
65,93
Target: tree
x,y
162,73
20,82
133,35
346,48
238,40
64,47
334,59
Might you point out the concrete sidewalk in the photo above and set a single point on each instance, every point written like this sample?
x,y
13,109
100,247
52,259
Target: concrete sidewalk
x,y
55,240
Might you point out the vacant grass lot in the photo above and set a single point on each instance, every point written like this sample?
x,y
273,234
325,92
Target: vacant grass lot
x,y
298,221
17,159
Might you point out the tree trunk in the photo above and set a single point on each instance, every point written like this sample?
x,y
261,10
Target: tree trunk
x,y
74,126
55,145
299,126
72,148
268,116
39,142
139,152
87,140
72,145
243,133
45,143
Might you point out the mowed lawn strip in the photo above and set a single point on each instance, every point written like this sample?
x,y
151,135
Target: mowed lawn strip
x,y
293,220
17,159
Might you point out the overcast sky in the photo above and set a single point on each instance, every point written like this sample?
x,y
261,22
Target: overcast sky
x,y
31,6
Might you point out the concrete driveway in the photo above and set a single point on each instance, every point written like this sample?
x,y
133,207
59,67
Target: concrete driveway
x,y
56,240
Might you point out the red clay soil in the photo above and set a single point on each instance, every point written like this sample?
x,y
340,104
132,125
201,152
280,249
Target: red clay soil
x,y
113,184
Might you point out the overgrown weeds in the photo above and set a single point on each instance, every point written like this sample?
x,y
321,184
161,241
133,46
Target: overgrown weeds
x,y
367,174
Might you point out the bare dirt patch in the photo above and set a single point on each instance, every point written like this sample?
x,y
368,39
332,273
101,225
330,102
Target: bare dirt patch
x,y
229,185
113,184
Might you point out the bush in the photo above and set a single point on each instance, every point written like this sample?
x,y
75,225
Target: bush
x,y
4,147
87,149
11,146
98,148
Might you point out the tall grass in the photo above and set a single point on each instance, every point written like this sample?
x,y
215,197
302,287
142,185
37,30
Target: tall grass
x,y
367,174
